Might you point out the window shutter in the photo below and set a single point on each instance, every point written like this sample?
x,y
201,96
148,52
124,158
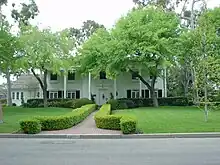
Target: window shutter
x,y
48,94
147,93
77,94
59,94
128,93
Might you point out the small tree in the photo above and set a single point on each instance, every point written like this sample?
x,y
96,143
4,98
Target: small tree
x,y
45,51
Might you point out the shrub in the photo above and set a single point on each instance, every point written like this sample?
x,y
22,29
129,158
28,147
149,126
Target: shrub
x,y
62,103
66,121
128,125
146,102
114,104
104,120
80,102
31,126
3,101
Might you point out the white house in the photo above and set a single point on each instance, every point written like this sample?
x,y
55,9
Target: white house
x,y
77,86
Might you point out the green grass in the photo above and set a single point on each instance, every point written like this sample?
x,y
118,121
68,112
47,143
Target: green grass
x,y
12,116
173,119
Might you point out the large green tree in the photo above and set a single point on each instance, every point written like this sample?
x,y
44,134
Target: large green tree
x,y
140,41
45,51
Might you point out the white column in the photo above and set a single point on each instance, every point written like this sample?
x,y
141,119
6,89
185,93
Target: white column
x,y
140,86
115,89
89,90
165,82
64,86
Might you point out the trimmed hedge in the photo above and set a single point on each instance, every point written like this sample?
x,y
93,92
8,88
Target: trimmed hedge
x,y
61,122
105,120
31,126
128,125
62,103
125,103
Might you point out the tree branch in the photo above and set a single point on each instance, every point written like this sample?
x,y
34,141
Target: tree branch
x,y
38,78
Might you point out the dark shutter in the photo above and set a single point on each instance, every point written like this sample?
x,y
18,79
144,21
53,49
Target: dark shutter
x,y
147,93
48,94
59,94
142,94
78,94
160,93
128,93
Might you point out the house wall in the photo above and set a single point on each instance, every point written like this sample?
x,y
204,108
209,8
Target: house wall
x,y
100,88
27,94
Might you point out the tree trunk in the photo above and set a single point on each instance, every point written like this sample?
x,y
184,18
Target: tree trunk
x,y
43,85
150,86
45,89
1,113
8,75
154,97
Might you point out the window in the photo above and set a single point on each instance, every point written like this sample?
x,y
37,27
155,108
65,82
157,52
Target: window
x,y
71,94
135,94
13,95
38,94
53,95
17,96
160,93
102,75
53,77
71,76
145,93
134,76
22,95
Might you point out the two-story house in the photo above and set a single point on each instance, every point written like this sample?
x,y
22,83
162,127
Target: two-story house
x,y
74,85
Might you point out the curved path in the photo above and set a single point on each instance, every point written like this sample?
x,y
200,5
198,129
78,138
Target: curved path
x,y
86,127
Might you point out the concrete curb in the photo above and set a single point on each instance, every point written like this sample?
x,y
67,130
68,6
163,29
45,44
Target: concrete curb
x,y
115,136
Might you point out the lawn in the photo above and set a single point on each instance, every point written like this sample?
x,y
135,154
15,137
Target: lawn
x,y
12,115
173,119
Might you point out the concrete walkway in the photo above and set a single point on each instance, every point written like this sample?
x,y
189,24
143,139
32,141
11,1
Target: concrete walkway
x,y
86,127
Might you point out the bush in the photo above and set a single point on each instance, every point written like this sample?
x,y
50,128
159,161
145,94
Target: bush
x,y
128,125
31,126
66,121
146,102
104,120
3,101
114,104
62,103
80,102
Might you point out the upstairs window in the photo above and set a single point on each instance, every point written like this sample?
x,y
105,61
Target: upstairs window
x,y
53,77
134,76
102,75
71,76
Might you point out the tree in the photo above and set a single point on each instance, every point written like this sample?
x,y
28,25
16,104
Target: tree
x,y
88,28
45,51
140,41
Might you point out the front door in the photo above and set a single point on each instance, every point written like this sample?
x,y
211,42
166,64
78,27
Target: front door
x,y
103,96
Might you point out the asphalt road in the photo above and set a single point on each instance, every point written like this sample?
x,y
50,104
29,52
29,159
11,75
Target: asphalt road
x,y
110,152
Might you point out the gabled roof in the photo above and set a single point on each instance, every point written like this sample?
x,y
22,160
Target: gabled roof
x,y
25,81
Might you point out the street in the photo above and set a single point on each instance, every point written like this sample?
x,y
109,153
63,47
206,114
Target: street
x,y
110,152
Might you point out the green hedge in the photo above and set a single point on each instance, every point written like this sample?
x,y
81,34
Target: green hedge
x,y
128,125
61,122
125,103
31,126
105,120
62,103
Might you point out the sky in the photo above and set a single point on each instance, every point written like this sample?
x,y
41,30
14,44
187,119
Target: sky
x,y
71,13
